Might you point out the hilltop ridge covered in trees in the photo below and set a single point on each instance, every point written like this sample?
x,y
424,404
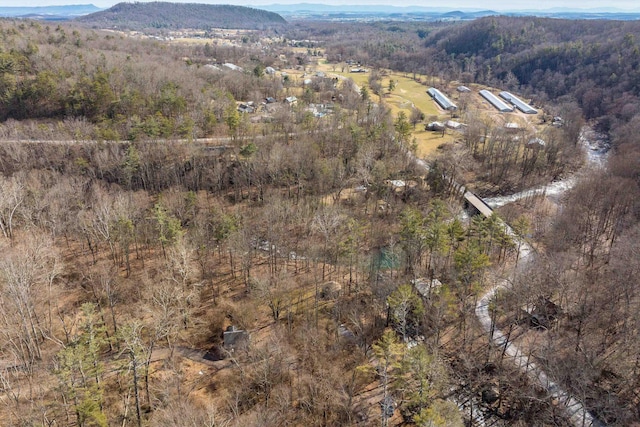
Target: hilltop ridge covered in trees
x,y
594,61
591,62
173,16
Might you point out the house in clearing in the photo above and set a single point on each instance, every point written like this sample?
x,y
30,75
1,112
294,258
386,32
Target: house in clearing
x,y
247,107
235,339
512,127
232,67
495,101
536,143
435,126
518,103
452,124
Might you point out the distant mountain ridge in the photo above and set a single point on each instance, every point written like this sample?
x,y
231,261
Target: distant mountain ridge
x,y
49,12
423,13
173,16
320,7
310,11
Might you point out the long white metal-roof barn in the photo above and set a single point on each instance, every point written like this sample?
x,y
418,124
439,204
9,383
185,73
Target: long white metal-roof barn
x,y
441,99
495,101
518,103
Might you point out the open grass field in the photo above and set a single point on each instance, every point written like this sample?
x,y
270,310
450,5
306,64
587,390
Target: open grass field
x,y
407,94
411,92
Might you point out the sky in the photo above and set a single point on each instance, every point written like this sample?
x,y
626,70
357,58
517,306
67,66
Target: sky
x,y
453,4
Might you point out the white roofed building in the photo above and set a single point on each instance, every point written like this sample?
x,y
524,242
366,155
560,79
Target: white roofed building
x,y
442,100
495,101
518,103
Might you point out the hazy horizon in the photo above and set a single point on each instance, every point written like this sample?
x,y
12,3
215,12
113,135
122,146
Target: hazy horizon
x,y
627,5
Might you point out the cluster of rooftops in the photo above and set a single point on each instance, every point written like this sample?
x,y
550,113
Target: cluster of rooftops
x,y
512,101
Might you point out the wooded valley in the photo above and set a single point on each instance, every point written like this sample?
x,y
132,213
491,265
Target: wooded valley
x,y
234,228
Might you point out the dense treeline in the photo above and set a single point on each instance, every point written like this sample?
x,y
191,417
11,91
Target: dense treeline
x,y
587,267
179,16
122,262
591,62
586,274
124,89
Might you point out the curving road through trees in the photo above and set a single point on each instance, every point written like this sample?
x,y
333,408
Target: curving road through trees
x,y
578,414
576,411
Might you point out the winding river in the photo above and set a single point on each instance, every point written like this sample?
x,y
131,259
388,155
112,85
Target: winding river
x,y
596,148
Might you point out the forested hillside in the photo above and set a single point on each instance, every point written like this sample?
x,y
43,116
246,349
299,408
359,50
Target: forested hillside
x,y
176,16
123,263
102,86
594,62
587,269
155,195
